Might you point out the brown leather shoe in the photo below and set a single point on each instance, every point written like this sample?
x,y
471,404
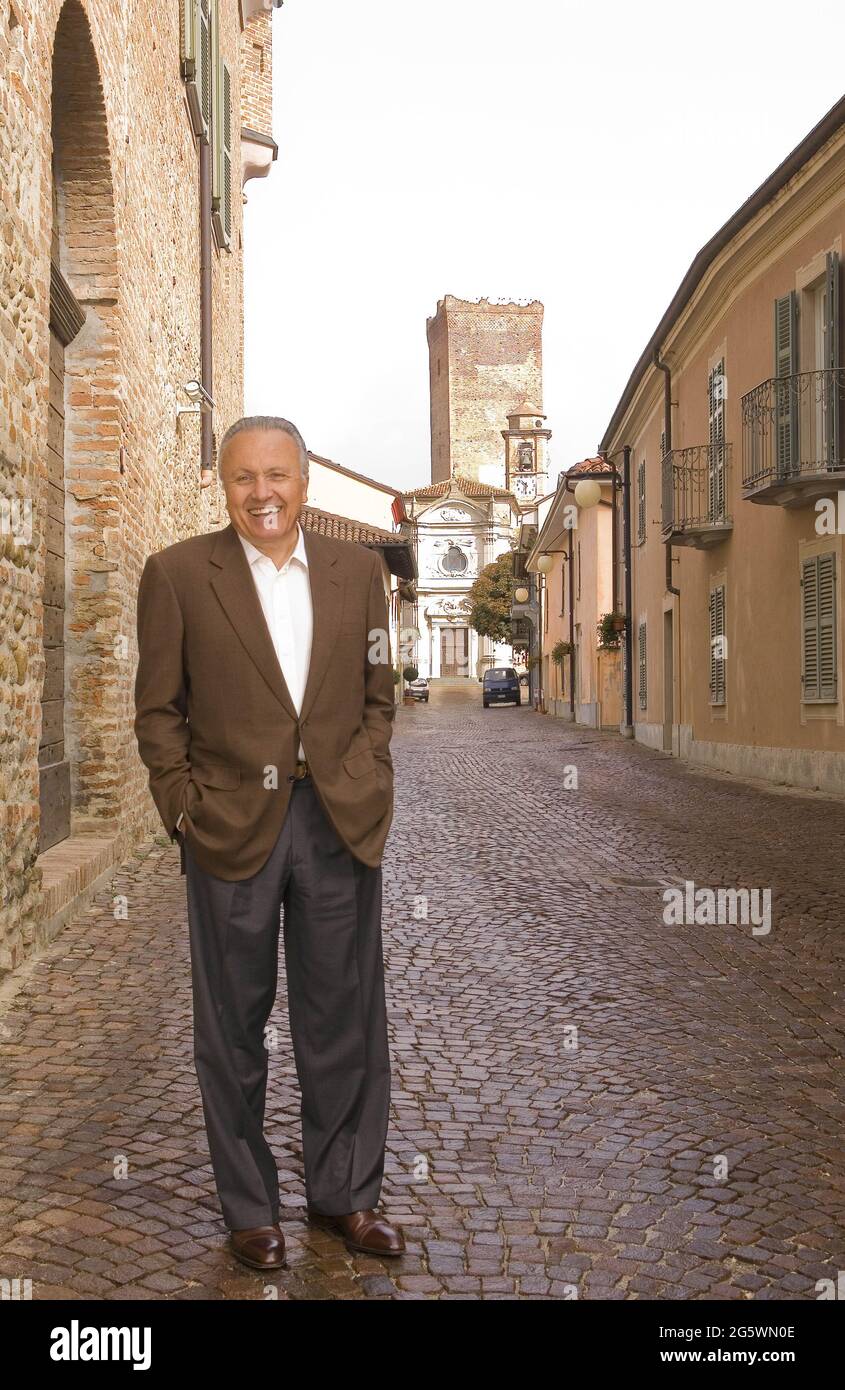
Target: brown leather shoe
x,y
260,1247
365,1231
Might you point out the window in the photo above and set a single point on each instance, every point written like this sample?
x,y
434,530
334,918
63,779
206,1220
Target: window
x,y
718,646
643,665
818,606
454,561
641,502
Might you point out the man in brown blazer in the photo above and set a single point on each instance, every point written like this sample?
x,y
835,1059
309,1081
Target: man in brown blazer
x,y
264,707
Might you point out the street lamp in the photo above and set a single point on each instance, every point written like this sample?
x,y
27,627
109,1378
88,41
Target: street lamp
x,y
521,594
587,493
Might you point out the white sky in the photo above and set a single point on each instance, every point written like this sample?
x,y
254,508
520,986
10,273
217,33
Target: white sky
x,y
575,153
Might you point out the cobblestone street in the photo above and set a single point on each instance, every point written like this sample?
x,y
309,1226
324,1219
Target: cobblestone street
x,y
568,1070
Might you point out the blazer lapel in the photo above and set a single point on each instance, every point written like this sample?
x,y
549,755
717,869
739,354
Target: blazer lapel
x,y
235,589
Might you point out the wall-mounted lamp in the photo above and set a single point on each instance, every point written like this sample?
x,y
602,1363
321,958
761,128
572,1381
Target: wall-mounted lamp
x,y
196,392
587,493
521,594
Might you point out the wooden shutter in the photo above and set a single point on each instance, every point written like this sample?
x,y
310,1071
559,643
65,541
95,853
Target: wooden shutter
x,y
785,395
195,33
716,453
641,501
643,666
832,390
818,607
718,683
221,161
826,567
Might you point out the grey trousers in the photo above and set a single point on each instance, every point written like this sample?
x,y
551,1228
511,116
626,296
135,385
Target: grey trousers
x,y
330,905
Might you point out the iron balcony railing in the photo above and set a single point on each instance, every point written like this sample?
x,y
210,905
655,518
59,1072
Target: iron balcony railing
x,y
792,428
696,488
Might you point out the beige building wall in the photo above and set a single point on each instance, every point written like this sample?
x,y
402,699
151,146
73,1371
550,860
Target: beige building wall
x,y
584,585
100,176
764,728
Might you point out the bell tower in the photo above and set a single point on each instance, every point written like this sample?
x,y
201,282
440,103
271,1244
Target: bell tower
x,y
526,455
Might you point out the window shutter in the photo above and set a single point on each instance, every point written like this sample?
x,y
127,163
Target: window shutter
x,y
786,366
827,625
641,501
195,35
718,683
832,389
205,70
221,161
643,666
818,608
716,457
810,622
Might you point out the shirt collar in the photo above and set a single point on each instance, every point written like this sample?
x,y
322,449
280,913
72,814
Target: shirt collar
x,y
253,553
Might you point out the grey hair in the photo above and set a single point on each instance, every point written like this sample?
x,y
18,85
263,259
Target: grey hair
x,y
264,422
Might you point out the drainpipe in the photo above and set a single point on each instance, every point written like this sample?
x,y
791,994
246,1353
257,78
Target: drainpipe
x,y
206,418
629,626
667,429
571,564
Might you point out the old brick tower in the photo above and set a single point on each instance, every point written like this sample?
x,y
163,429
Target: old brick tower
x,y
484,359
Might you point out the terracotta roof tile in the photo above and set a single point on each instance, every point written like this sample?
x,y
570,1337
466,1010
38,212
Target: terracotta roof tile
x,y
469,486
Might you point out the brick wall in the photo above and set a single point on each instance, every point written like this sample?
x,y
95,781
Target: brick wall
x,y
101,169
490,360
257,74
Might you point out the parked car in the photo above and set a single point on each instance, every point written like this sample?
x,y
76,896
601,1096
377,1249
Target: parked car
x,y
499,686
419,688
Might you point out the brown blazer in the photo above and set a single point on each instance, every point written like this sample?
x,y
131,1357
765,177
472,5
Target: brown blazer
x,y
214,717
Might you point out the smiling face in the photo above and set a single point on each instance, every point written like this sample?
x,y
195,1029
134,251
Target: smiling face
x,y
264,489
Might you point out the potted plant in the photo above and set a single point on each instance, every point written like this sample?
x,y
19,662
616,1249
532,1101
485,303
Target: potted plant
x,y
561,650
410,673
609,629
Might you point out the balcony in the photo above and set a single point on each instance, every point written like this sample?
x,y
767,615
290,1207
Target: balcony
x,y
696,488
792,450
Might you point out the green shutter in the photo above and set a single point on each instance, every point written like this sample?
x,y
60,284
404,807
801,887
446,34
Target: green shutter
x,y
810,622
205,68
643,666
716,452
832,389
718,682
818,609
785,392
195,36
827,625
641,501
221,158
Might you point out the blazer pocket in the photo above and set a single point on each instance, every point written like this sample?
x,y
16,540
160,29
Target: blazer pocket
x,y
357,764
216,775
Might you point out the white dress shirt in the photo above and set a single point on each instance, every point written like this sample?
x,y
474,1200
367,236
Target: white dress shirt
x,y
285,597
